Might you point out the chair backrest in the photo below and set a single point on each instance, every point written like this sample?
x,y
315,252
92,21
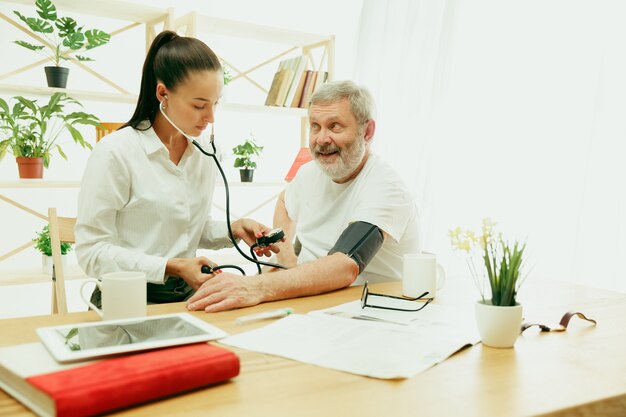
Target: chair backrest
x,y
61,230
109,127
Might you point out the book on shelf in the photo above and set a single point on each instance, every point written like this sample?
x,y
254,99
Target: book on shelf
x,y
32,376
307,90
304,156
285,82
321,78
295,100
298,65
278,90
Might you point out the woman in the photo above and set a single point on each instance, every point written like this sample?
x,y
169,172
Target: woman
x,y
145,198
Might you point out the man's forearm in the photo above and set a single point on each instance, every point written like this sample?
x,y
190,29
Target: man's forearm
x,y
322,275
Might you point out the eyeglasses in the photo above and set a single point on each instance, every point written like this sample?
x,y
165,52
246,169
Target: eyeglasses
x,y
367,293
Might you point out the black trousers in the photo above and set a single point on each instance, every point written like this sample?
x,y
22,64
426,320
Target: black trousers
x,y
174,290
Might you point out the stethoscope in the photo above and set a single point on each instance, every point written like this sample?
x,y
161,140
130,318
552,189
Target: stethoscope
x,y
193,141
213,155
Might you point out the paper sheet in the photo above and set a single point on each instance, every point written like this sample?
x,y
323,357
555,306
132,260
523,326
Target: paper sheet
x,y
364,347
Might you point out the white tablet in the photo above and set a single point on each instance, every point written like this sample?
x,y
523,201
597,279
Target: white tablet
x,y
80,341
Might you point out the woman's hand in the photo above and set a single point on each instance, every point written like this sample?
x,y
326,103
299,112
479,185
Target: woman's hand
x,y
249,230
190,269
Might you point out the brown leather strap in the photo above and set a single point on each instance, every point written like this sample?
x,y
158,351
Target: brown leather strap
x,y
562,326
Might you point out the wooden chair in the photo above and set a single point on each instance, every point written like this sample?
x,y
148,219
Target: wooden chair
x,y
109,127
61,230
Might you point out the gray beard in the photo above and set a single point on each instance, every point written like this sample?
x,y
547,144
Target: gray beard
x,y
347,162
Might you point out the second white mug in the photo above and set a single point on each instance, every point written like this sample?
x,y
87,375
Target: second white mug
x,y
421,273
124,295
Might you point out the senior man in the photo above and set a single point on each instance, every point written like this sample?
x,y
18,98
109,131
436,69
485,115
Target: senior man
x,y
350,215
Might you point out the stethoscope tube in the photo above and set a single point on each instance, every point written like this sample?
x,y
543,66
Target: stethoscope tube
x,y
227,192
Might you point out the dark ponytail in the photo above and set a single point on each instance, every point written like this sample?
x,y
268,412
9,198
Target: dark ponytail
x,y
169,60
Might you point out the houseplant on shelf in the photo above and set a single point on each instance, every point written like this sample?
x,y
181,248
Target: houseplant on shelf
x,y
228,77
498,318
43,244
62,36
31,132
245,153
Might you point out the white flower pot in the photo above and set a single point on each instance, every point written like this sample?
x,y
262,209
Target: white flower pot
x,y
498,326
46,263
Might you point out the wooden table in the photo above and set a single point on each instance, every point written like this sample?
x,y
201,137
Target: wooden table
x,y
581,372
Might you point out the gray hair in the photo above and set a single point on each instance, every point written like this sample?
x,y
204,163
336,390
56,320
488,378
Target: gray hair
x,y
361,101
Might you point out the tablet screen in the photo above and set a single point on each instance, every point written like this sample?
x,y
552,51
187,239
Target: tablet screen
x,y
106,335
87,340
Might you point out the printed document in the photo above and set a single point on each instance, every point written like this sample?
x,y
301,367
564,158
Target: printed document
x,y
371,342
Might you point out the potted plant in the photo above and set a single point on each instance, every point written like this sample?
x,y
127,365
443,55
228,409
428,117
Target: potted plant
x,y
43,244
61,37
498,318
245,153
31,131
228,77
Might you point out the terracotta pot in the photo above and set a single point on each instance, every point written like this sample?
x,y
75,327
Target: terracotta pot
x,y
498,326
30,167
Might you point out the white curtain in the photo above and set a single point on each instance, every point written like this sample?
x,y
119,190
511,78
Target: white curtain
x,y
514,110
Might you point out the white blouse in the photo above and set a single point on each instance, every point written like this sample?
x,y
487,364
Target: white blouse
x,y
137,209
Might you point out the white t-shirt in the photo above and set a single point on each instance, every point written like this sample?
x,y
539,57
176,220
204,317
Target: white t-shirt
x,y
137,209
322,209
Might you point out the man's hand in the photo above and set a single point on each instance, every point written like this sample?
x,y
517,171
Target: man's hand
x,y
249,230
189,269
227,291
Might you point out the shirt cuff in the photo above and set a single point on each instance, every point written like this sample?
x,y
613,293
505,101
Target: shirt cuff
x,y
216,236
155,274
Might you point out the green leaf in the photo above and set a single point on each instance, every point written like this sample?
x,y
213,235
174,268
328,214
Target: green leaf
x,y
31,104
66,26
61,152
36,25
83,58
96,37
54,106
73,332
30,46
4,107
4,147
46,9
74,40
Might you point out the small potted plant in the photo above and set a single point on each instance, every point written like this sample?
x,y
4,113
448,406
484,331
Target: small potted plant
x,y
62,37
245,153
31,132
43,244
228,77
498,318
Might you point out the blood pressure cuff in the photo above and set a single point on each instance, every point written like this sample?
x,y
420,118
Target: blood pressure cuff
x,y
360,241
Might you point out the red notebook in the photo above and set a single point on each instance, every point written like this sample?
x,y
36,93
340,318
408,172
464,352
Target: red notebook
x,y
102,386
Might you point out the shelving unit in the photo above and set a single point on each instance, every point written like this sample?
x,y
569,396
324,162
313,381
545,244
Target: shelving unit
x,y
194,24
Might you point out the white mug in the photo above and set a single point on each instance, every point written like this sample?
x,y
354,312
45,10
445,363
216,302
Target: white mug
x,y
421,273
124,295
